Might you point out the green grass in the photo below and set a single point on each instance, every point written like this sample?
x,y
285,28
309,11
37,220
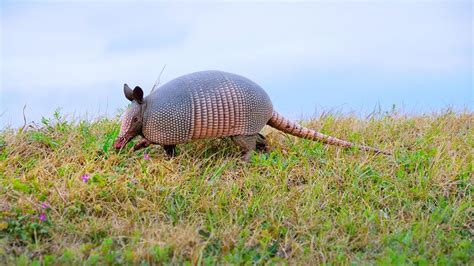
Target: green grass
x,y
303,203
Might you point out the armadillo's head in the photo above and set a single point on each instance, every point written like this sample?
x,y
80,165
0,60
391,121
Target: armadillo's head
x,y
132,120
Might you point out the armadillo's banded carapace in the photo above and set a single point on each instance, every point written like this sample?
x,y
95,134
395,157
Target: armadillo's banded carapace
x,y
203,105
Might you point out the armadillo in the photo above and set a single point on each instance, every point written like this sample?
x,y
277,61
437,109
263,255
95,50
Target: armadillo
x,y
209,104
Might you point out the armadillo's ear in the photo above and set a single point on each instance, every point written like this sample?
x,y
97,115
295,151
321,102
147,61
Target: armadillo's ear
x,y
138,94
128,92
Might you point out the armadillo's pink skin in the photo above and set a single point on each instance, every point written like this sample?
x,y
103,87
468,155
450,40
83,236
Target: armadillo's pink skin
x,y
204,105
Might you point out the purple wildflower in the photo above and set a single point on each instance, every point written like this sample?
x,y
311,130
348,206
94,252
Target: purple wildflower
x,y
43,217
146,157
44,206
85,178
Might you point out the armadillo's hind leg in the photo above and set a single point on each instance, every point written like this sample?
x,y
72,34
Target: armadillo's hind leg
x,y
248,145
170,150
262,144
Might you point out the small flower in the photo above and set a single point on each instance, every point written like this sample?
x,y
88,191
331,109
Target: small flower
x,y
146,157
85,178
44,206
43,217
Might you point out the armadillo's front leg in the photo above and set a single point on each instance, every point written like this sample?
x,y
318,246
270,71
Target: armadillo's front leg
x,y
170,150
140,145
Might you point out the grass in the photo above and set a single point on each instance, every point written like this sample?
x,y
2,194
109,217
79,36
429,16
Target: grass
x,y
304,203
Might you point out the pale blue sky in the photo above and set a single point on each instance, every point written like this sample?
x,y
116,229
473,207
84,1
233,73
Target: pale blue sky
x,y
309,57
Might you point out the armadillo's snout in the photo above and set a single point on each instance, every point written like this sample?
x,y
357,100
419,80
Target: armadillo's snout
x,y
120,142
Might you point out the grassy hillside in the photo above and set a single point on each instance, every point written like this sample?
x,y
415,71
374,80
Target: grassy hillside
x,y
67,197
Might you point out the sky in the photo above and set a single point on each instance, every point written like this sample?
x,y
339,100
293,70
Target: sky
x,y
310,57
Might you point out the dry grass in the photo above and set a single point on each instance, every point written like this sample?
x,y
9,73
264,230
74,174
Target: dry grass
x,y
302,203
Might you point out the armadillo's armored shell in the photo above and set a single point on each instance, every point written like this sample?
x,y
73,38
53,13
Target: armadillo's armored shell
x,y
205,104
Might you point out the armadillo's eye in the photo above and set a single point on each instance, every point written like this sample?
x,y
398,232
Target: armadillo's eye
x,y
135,119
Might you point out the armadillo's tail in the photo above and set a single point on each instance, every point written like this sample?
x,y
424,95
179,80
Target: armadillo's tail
x,y
281,123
